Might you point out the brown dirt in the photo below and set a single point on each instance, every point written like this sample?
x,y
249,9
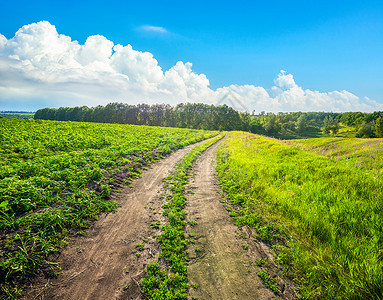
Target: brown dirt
x,y
105,263
221,267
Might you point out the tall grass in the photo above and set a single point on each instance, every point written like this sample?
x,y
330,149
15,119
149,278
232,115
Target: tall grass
x,y
329,213
364,154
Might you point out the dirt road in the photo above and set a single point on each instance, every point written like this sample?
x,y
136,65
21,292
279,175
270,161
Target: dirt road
x,y
221,268
109,260
105,263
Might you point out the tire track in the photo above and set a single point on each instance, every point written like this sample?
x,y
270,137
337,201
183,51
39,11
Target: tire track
x,y
220,267
103,263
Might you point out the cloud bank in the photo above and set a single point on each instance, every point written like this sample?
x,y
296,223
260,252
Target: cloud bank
x,y
41,68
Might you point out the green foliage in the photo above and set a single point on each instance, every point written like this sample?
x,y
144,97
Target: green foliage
x,y
157,284
271,126
366,130
330,126
59,175
189,115
379,127
324,213
301,124
269,282
210,117
140,247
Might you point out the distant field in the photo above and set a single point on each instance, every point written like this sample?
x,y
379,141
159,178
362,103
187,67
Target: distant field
x,y
17,115
57,176
319,202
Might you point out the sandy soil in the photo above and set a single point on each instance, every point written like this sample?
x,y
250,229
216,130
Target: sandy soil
x,y
220,266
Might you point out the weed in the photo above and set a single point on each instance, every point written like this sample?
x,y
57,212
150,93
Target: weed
x,y
242,236
197,250
155,224
260,262
192,223
269,282
140,247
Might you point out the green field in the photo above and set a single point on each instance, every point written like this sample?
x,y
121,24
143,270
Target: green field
x,y
318,202
56,177
17,115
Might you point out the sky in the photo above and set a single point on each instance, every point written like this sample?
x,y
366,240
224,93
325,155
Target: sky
x,y
254,55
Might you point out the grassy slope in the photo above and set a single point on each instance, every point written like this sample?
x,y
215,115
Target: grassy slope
x,y
364,154
323,215
56,176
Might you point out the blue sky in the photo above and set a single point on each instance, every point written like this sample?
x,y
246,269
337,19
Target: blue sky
x,y
326,45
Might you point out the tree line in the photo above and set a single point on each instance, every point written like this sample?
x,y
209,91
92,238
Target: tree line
x,y
314,124
189,115
223,117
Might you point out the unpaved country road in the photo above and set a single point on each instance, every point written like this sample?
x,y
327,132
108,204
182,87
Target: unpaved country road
x,y
101,263
222,269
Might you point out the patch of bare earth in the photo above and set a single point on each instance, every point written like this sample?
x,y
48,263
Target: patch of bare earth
x,y
108,261
222,265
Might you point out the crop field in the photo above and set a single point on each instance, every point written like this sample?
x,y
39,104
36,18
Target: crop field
x,y
318,202
56,177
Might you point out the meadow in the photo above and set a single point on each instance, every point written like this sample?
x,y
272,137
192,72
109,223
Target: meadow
x,y
317,202
364,154
56,177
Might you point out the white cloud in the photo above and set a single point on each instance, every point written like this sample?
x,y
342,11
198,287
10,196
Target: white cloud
x,y
41,68
150,28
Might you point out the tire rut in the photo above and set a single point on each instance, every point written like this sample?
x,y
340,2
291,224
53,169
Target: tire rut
x,y
219,266
104,263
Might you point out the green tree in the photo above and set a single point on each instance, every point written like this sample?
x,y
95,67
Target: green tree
x,y
379,127
330,125
271,126
301,124
365,130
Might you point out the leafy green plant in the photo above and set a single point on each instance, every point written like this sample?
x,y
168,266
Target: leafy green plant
x,y
269,282
140,247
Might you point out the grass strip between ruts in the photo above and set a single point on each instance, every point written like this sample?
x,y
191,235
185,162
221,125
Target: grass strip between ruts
x,y
159,283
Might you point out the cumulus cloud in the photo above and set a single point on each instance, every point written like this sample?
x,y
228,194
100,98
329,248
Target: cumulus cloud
x,y
41,68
